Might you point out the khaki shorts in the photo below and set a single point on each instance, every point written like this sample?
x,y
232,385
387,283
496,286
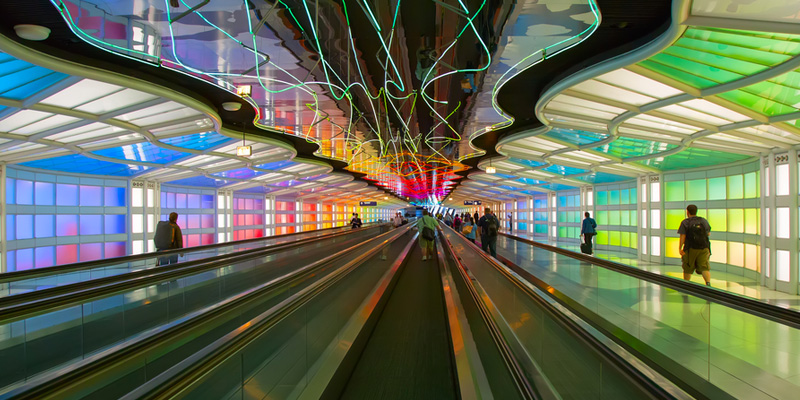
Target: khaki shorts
x,y
695,260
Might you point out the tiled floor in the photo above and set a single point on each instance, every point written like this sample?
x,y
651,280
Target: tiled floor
x,y
745,355
733,283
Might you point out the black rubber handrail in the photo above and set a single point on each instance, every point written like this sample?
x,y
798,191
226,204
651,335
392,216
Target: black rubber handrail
x,y
601,350
57,381
29,304
758,308
61,269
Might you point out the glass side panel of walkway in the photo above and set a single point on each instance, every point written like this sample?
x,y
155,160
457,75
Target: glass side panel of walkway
x,y
695,339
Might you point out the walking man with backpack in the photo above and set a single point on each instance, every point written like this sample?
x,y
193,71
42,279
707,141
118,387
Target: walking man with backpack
x,y
168,236
427,233
695,248
487,228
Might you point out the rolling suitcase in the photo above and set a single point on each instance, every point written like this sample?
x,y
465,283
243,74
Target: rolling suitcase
x,y
586,248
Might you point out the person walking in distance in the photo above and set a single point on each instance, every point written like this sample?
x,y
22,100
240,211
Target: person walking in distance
x,y
398,220
695,248
488,226
355,222
427,233
168,236
469,229
588,230
510,223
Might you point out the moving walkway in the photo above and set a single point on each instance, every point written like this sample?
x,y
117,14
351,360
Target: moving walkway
x,y
369,321
50,327
709,342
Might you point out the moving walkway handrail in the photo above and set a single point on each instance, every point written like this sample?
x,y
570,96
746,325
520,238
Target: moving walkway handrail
x,y
55,383
80,266
755,307
182,375
525,388
32,303
627,370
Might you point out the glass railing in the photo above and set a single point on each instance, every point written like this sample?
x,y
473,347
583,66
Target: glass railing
x,y
551,351
90,324
711,348
29,281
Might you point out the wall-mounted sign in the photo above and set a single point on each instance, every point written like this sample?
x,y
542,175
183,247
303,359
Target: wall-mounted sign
x,y
367,203
472,202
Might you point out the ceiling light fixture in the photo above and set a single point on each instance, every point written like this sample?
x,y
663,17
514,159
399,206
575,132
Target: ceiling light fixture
x,y
231,106
244,150
490,169
244,90
32,32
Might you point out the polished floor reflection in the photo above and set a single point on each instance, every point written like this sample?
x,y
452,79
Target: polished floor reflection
x,y
723,280
744,355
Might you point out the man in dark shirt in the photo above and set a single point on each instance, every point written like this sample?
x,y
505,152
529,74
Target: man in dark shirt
x,y
488,236
695,248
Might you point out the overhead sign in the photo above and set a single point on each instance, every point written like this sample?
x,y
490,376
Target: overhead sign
x,y
367,203
472,202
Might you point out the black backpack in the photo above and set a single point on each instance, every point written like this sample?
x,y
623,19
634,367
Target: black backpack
x,y
697,235
165,235
491,226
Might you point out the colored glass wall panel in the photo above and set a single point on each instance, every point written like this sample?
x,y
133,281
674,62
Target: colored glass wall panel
x,y
114,197
91,225
66,195
751,185
735,187
752,221
719,251
613,197
696,190
44,193
671,249
602,237
44,225
674,218
752,257
613,217
193,201
44,256
66,225
24,192
207,221
180,200
91,251
91,196
194,221
114,249
736,220
24,259
736,254
602,217
114,224
718,219
24,228
207,201
11,227
613,238
675,191
625,196
66,254
717,188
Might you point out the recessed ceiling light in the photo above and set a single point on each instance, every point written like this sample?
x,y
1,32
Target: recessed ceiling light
x,y
32,32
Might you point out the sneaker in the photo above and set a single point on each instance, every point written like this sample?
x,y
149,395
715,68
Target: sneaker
x,y
708,284
424,258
